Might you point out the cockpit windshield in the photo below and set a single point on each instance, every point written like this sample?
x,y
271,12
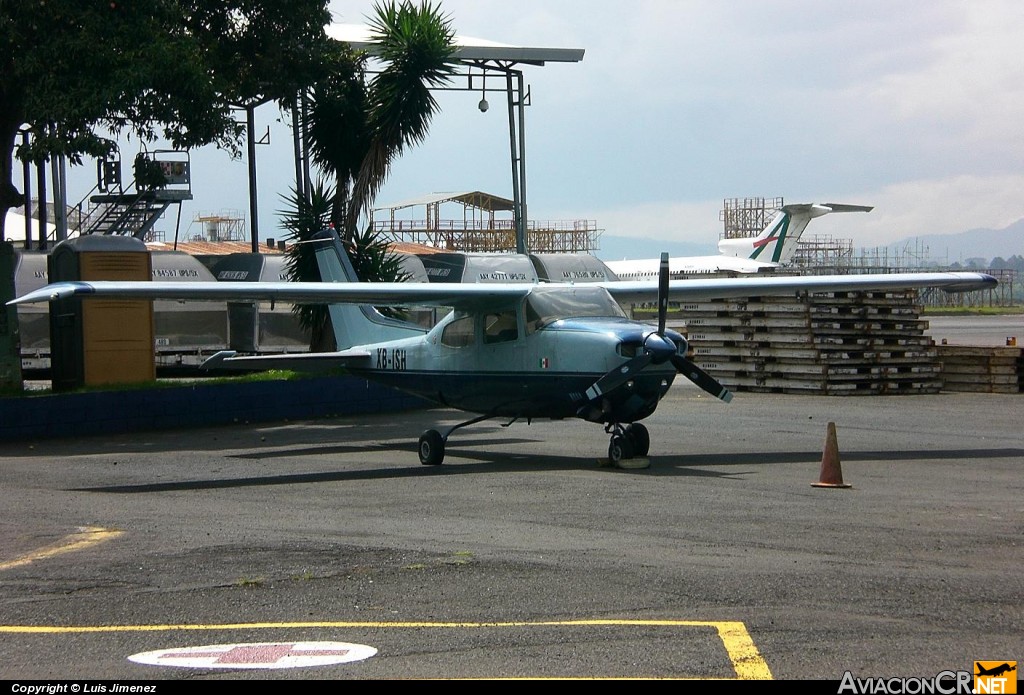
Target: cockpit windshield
x,y
544,306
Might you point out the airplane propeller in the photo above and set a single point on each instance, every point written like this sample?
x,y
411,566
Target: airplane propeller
x,y
657,349
701,378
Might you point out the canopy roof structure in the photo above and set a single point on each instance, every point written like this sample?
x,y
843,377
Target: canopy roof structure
x,y
478,228
474,199
484,56
468,49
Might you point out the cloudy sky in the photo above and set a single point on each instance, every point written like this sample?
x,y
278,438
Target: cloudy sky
x,y
912,106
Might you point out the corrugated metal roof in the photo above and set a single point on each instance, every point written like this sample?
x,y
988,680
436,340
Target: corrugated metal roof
x,y
403,247
211,248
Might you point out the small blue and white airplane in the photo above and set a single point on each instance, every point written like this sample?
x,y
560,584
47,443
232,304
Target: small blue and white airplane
x,y
773,248
506,350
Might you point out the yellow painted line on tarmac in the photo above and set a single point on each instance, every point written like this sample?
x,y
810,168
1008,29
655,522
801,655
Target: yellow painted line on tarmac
x,y
85,538
746,659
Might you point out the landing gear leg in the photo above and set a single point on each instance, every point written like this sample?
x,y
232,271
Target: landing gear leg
x,y
432,442
621,446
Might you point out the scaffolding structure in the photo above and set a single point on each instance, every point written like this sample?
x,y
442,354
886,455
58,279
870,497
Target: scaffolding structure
x,y
879,258
823,251
747,217
226,225
478,227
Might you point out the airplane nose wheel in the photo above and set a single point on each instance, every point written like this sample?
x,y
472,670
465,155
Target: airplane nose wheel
x,y
640,438
431,448
627,442
620,448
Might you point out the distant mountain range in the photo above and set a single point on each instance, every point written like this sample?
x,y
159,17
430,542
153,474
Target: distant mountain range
x,y
974,243
939,248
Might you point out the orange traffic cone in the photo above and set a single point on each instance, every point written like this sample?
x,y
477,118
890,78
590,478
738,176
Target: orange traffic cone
x,y
831,472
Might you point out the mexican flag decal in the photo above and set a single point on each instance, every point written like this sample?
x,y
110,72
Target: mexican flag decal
x,y
544,363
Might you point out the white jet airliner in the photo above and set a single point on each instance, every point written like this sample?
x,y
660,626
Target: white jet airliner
x,y
772,248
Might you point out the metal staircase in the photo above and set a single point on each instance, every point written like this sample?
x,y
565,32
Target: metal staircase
x,y
130,213
162,179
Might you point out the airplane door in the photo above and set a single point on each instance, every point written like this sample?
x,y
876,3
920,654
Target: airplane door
x,y
503,347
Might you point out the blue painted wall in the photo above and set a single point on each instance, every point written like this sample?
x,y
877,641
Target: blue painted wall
x,y
194,405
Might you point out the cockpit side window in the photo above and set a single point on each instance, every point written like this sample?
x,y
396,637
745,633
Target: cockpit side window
x,y
500,327
458,333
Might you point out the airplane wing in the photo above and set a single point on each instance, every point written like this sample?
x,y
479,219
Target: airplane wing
x,y
782,285
442,294
476,295
298,361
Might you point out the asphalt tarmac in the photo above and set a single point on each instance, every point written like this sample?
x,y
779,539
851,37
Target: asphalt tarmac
x,y
986,331
279,547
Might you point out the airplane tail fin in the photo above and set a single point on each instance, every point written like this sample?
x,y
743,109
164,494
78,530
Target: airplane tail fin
x,y
778,240
354,324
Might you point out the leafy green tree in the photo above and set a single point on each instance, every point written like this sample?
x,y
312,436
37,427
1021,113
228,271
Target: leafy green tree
x,y
175,69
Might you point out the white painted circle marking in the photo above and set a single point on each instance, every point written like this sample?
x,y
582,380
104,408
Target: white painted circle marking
x,y
257,655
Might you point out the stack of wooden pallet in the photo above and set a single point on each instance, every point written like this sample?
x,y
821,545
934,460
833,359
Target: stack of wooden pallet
x,y
841,343
982,369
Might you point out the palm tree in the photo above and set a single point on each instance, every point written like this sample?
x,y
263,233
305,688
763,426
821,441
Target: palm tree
x,y
416,46
303,216
357,128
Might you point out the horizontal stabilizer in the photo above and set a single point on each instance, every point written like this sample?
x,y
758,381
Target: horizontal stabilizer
x,y
842,207
299,361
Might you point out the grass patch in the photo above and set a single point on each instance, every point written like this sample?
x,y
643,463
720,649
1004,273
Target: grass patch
x,y
461,557
12,392
973,311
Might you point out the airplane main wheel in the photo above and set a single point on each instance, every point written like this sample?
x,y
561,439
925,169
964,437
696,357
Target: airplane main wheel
x,y
619,449
431,448
640,438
